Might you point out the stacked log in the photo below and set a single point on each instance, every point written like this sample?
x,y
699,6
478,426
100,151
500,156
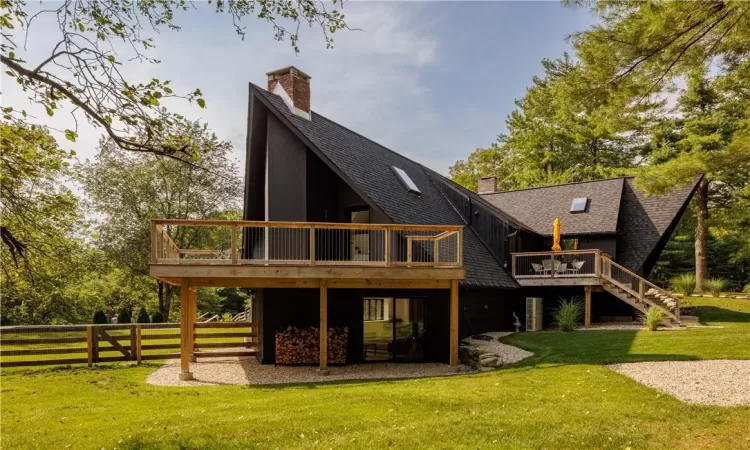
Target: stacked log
x,y
302,345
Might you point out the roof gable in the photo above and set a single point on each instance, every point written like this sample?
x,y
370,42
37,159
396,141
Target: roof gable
x,y
368,165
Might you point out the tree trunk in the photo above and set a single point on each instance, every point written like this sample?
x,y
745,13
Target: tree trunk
x,y
165,299
701,235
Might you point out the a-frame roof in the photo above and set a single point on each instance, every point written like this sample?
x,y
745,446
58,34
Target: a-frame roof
x,y
368,165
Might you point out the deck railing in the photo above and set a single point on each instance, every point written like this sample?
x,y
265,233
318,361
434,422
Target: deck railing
x,y
562,264
305,243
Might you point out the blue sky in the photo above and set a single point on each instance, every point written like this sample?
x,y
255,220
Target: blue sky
x,y
432,81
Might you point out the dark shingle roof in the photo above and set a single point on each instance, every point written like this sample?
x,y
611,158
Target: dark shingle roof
x,y
537,208
368,165
647,222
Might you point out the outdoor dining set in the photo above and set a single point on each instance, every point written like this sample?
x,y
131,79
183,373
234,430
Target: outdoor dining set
x,y
549,266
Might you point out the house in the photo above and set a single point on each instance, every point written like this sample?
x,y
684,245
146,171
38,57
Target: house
x,y
396,261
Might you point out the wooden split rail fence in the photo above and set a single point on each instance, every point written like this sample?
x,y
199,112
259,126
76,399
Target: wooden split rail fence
x,y
89,344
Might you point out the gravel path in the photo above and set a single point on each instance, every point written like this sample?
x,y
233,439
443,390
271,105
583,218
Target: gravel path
x,y
508,353
244,371
715,382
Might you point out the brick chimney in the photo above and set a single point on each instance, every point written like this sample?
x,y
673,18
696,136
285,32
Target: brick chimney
x,y
293,86
487,185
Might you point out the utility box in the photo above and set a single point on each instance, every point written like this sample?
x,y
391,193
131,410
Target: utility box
x,y
534,313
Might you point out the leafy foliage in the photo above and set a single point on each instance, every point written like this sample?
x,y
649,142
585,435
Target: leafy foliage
x,y
157,317
715,285
93,39
684,284
652,318
128,190
143,316
100,317
568,313
124,316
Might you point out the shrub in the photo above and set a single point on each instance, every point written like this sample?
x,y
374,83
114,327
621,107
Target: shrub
x,y
684,284
568,314
746,289
100,317
143,316
715,285
226,317
157,317
124,316
652,318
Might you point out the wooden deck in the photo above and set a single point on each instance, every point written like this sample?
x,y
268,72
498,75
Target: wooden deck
x,y
323,256
593,268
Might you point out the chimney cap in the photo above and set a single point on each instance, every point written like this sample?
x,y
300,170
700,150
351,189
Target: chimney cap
x,y
288,69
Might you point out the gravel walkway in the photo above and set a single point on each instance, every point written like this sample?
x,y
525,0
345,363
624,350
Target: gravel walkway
x,y
717,382
244,371
508,353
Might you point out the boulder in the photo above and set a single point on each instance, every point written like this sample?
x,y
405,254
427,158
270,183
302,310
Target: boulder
x,y
490,362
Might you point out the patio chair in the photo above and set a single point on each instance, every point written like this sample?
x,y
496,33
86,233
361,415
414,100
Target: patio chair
x,y
538,269
575,267
561,269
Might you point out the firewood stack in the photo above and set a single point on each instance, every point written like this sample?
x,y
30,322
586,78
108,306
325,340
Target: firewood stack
x,y
302,345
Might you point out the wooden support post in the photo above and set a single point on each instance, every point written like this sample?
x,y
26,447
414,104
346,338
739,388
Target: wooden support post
x,y
436,251
154,242
193,320
513,265
138,340
454,323
587,306
323,327
641,290
90,344
233,243
598,264
460,245
185,330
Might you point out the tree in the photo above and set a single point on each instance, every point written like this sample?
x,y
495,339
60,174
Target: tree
x,y
94,38
143,316
128,190
100,317
560,132
124,316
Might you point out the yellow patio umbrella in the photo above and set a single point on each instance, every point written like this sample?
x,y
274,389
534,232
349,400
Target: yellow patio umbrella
x,y
556,235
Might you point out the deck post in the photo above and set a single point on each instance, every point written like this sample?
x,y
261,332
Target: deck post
x,y
193,320
185,330
323,327
454,324
587,306
387,249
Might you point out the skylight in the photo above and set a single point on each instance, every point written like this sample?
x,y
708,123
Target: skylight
x,y
579,205
406,179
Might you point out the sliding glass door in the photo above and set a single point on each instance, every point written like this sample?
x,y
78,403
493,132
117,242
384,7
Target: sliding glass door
x,y
393,329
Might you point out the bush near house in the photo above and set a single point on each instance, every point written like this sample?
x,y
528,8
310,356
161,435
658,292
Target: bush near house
x,y
684,284
124,316
715,285
100,317
568,314
157,317
143,316
652,318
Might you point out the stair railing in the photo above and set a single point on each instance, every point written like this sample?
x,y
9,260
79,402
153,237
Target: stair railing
x,y
635,285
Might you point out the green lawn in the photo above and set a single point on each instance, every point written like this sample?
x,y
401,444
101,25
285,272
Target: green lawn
x,y
562,398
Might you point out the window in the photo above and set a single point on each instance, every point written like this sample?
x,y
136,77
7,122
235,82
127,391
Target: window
x,y
374,309
579,205
408,183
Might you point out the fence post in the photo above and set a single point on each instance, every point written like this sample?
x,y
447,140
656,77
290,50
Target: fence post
x,y
133,343
90,344
641,290
138,339
94,344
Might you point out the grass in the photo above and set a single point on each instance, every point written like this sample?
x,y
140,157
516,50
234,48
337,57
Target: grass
x,y
561,398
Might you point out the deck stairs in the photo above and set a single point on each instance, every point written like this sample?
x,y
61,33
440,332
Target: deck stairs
x,y
638,292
